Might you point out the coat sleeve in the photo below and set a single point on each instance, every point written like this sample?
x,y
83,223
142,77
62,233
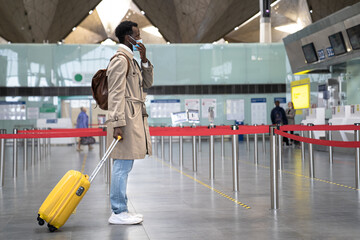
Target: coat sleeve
x,y
290,113
147,74
116,73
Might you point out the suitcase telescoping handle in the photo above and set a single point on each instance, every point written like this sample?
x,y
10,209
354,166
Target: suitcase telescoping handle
x,y
104,158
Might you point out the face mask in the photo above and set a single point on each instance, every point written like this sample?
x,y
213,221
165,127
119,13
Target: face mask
x,y
137,45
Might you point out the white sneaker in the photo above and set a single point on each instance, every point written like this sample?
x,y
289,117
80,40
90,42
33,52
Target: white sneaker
x,y
137,215
124,218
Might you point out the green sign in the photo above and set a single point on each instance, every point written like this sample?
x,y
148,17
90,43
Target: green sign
x,y
78,77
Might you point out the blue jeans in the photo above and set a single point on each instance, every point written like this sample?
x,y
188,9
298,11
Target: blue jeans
x,y
118,197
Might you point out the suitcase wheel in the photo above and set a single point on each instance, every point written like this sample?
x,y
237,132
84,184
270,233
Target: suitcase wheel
x,y
40,220
52,228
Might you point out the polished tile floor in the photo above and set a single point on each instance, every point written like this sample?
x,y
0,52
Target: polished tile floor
x,y
180,204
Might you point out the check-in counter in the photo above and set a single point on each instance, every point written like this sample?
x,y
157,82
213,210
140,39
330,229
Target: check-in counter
x,y
315,116
341,116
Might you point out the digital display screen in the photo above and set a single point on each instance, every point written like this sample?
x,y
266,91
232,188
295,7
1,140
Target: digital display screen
x,y
354,36
337,43
310,53
300,96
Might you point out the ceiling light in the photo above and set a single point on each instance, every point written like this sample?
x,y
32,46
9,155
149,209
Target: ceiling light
x,y
90,12
111,12
108,42
168,43
289,28
74,28
142,12
152,30
236,28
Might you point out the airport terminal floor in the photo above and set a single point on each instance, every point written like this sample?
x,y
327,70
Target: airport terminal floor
x,y
180,204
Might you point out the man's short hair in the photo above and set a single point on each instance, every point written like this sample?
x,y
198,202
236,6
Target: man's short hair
x,y
277,103
124,28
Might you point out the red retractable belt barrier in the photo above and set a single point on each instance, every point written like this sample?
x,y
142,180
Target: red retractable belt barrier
x,y
347,144
199,131
205,131
319,128
53,130
55,133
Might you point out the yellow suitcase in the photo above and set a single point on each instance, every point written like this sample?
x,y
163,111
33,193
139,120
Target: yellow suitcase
x,y
63,199
67,194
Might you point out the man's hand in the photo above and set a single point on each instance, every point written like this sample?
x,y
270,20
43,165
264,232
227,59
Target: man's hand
x,y
118,132
142,50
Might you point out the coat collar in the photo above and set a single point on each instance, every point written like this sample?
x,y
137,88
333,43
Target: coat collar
x,y
125,50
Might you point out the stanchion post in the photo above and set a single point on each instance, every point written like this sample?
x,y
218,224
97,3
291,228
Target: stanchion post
x,y
32,150
2,158
170,149
181,151
162,148
331,158
273,171
48,144
44,145
279,150
100,146
256,159
199,143
302,146
357,159
211,158
102,151
222,148
235,164
247,142
155,145
194,154
38,149
25,166
263,143
311,154
15,155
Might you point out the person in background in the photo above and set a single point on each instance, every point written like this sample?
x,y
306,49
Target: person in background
x,y
290,114
82,121
278,116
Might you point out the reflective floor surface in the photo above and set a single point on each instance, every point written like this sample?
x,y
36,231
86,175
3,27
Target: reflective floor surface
x,y
180,204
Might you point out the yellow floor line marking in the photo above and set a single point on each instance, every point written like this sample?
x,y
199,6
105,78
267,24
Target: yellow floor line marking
x,y
83,164
304,176
205,185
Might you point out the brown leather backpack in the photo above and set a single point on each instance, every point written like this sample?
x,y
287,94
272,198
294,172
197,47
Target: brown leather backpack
x,y
99,85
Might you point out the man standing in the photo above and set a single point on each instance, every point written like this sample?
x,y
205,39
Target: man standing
x,y
127,117
278,116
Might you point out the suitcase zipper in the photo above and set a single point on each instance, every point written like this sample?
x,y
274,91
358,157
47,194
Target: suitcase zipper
x,y
67,197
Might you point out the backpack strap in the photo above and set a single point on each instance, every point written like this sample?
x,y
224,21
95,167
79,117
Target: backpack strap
x,y
127,59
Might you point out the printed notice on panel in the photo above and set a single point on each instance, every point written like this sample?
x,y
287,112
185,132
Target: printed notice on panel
x,y
205,105
162,108
193,104
12,110
258,111
235,109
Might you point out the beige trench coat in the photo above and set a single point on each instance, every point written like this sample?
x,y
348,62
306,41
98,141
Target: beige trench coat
x,y
126,107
